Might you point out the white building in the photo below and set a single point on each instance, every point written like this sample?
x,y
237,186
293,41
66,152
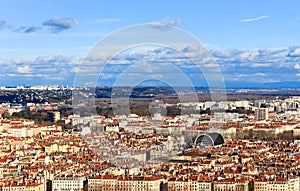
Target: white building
x,y
17,131
69,183
230,184
280,184
261,113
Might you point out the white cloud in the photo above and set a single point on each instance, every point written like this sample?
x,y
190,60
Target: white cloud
x,y
106,20
294,52
24,69
59,24
259,65
254,19
245,55
259,74
297,66
253,74
126,62
28,29
164,23
75,69
12,75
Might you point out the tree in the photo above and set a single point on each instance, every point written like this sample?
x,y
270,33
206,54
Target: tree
x,y
286,135
6,115
173,111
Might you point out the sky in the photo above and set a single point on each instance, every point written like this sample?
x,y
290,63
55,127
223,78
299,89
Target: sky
x,y
253,42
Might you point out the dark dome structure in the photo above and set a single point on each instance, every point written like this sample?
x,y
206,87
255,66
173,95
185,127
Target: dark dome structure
x,y
209,139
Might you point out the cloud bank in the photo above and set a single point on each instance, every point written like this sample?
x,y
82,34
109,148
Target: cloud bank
x,y
239,67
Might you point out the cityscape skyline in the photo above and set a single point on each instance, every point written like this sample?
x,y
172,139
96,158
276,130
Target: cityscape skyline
x,y
149,96
253,146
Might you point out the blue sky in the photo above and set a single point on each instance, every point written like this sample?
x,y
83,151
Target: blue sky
x,y
48,37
